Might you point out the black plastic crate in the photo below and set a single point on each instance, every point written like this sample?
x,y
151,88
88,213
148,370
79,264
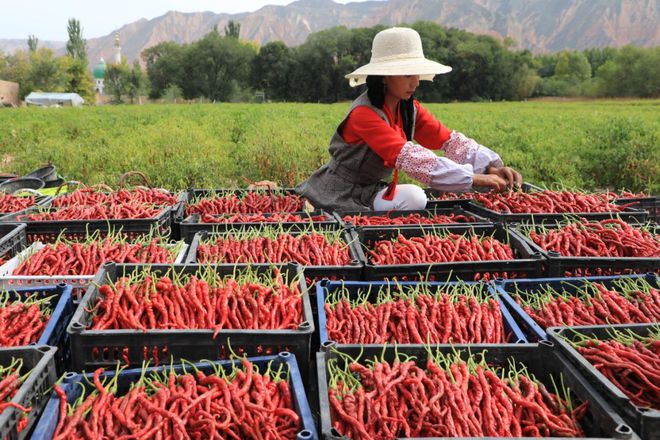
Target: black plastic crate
x,y
192,224
75,384
568,266
506,289
54,333
600,421
40,200
49,231
349,238
645,421
12,239
191,195
371,290
649,204
456,210
33,392
527,262
104,348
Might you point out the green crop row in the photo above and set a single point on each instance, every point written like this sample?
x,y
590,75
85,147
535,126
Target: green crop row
x,y
587,145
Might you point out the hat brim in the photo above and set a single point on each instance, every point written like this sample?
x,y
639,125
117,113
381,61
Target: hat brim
x,y
426,69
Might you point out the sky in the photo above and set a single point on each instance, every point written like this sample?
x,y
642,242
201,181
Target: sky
x,y
47,19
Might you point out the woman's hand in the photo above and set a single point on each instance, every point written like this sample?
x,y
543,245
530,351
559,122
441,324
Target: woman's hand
x,y
511,176
492,181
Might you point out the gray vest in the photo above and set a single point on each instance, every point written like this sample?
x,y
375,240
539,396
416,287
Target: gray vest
x,y
354,174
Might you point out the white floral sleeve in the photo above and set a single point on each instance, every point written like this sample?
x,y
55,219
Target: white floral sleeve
x,y
462,149
437,172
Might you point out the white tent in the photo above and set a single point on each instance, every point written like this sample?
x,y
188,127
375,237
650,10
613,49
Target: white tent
x,y
54,99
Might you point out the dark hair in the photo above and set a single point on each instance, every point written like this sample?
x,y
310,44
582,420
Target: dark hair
x,y
376,94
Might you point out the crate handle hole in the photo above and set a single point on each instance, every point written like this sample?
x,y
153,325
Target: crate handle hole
x,y
304,434
305,325
624,429
328,344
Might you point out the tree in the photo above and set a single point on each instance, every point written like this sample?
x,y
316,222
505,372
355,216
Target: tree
x,y
233,29
573,66
32,42
78,78
165,66
47,73
136,81
270,70
117,79
217,68
76,46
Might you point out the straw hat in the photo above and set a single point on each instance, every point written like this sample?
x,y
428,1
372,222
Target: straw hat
x,y
397,51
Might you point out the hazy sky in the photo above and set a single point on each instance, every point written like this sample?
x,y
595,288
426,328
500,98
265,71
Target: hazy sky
x,y
47,19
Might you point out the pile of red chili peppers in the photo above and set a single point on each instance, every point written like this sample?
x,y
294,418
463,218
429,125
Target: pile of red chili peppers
x,y
84,258
410,219
22,321
438,248
277,217
605,238
238,404
381,400
96,196
10,203
242,301
273,245
632,301
458,314
10,382
631,362
251,202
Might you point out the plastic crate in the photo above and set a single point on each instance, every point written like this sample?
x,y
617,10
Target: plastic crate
x,y
356,288
12,239
456,210
54,333
78,282
600,421
35,390
645,421
566,266
192,225
192,194
527,262
39,201
506,288
75,384
49,231
649,204
349,238
103,348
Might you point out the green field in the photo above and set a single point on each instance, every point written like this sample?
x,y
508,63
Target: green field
x,y
588,145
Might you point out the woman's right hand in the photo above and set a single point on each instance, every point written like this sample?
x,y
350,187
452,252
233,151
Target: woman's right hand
x,y
492,181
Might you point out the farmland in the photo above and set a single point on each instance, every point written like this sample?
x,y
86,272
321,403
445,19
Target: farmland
x,y
588,145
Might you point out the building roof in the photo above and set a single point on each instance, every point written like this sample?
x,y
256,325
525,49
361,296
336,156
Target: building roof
x,y
99,69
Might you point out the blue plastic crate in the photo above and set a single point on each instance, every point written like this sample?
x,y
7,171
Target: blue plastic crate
x,y
569,285
324,287
74,385
55,333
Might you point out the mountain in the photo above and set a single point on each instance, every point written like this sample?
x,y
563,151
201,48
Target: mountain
x,y
538,25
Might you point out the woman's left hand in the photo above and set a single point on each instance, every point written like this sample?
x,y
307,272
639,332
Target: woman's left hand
x,y
512,177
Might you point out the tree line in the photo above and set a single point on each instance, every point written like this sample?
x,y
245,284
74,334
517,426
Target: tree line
x,y
221,67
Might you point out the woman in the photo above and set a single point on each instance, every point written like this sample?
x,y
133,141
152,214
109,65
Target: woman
x,y
387,130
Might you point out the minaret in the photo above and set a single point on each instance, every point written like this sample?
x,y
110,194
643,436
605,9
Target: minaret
x,y
117,50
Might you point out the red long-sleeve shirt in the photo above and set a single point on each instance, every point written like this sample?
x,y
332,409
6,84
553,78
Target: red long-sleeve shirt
x,y
363,125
